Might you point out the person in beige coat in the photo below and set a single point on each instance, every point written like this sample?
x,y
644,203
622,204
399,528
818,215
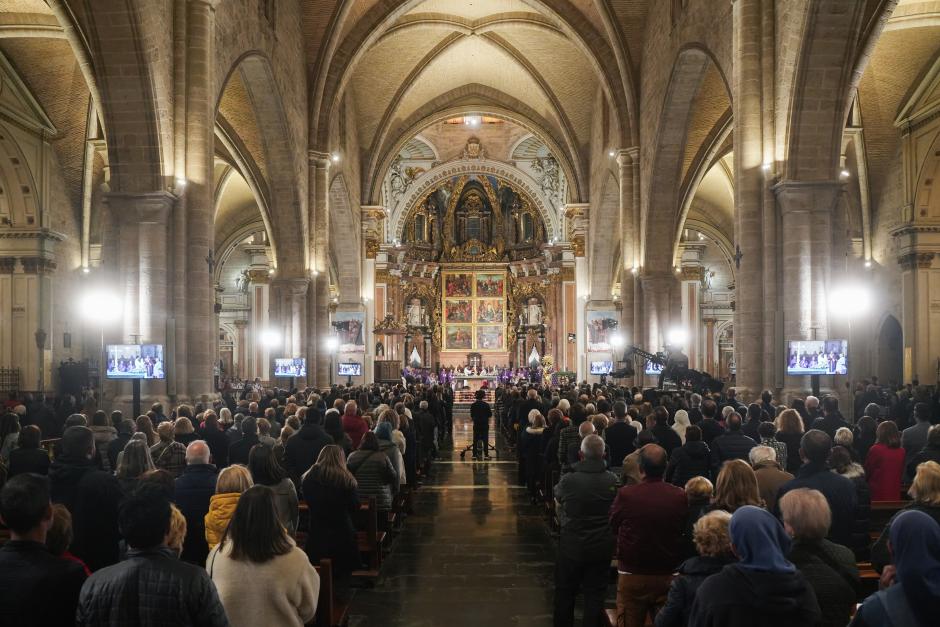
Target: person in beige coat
x,y
262,577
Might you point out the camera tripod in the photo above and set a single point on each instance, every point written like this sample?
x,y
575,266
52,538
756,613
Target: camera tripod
x,y
487,447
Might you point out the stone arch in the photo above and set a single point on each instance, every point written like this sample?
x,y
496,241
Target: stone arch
x,y
604,218
476,99
890,357
434,176
835,43
345,245
926,192
120,77
19,207
280,195
661,214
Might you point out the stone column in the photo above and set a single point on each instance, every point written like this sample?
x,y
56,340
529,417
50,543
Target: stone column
x,y
144,268
576,224
259,298
711,363
691,285
628,162
240,354
290,296
806,239
657,297
318,301
200,236
748,196
373,234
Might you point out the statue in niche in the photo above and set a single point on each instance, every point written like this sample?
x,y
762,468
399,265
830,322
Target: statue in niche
x,y
379,349
415,314
531,314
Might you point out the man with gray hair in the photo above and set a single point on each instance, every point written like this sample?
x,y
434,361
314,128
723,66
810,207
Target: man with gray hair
x,y
425,428
192,492
583,498
585,429
770,476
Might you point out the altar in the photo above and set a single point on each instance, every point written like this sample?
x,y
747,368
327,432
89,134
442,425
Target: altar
x,y
474,382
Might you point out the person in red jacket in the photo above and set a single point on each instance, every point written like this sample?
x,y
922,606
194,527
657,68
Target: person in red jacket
x,y
354,425
884,465
649,520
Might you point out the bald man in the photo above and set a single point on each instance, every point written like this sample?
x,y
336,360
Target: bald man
x,y
649,519
193,490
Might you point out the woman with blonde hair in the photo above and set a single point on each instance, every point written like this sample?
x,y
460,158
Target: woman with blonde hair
x,y
790,432
391,417
183,431
713,545
134,462
177,532
231,484
332,494
925,490
698,492
736,487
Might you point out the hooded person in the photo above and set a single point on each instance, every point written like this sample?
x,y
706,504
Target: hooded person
x,y
763,587
681,423
915,594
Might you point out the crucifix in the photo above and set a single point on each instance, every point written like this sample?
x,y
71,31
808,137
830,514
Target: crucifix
x,y
210,261
737,256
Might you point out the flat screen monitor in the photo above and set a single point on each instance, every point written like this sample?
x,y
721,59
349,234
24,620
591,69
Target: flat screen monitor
x,y
135,361
817,357
290,367
602,367
350,369
653,369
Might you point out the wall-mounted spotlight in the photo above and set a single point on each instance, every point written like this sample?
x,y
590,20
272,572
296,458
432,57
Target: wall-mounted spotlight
x,y
334,157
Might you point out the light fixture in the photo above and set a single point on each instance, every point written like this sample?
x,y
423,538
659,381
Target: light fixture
x,y
766,166
634,270
271,271
676,336
334,157
101,305
85,269
611,153
180,183
331,343
315,272
849,300
677,269
473,121
844,173
868,263
270,338
335,299
617,340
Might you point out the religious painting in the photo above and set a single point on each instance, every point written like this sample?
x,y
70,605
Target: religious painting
x,y
458,285
489,311
600,326
459,338
350,328
489,285
490,338
460,311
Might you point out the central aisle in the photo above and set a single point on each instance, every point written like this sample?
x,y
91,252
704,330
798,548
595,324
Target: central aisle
x,y
475,552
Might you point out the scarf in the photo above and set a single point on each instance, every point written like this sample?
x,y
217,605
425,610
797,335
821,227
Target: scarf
x,y
915,544
760,540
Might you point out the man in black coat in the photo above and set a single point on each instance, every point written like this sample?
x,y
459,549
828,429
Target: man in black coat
x,y
814,474
531,402
303,448
36,587
665,435
732,445
586,544
239,451
124,432
621,436
480,414
91,495
425,424
192,492
711,429
832,419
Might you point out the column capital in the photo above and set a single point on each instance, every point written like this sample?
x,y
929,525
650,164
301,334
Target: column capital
x,y
318,158
295,286
142,208
209,4
240,324
806,196
628,156
38,265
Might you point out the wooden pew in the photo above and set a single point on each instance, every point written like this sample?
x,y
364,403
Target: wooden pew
x,y
370,539
330,612
881,513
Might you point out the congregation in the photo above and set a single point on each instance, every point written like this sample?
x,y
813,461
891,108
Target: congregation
x,y
693,498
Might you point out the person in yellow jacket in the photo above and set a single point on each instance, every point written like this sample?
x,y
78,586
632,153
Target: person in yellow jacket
x,y
230,485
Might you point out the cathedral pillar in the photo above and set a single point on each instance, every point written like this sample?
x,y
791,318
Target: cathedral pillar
x,y
806,240
576,227
260,337
373,234
144,268
290,299
199,327
628,162
920,301
318,300
748,195
658,292
691,293
710,364
240,354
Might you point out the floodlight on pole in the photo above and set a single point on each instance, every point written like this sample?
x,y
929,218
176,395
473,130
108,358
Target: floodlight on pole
x,y
332,343
849,300
677,336
617,340
102,306
270,338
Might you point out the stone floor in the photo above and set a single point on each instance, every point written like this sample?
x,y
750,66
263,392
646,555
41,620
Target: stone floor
x,y
474,553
